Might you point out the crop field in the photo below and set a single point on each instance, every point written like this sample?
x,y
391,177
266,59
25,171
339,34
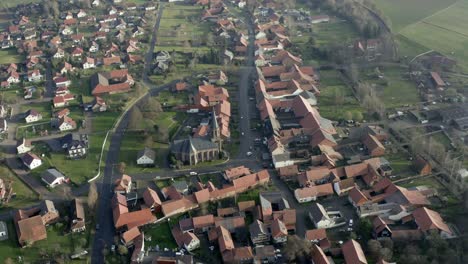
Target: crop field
x,y
413,11
425,25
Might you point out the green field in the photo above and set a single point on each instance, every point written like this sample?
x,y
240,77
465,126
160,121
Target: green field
x,y
406,12
24,195
10,56
399,91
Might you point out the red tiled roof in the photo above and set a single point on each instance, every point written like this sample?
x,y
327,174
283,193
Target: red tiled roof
x,y
353,253
316,234
427,219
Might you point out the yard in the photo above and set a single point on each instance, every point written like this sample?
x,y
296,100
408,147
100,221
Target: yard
x,y
24,196
10,56
181,28
56,246
45,109
400,164
400,90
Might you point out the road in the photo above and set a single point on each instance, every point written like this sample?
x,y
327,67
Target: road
x,y
105,235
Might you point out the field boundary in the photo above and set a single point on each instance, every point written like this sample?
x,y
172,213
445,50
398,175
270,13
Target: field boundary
x,y
433,14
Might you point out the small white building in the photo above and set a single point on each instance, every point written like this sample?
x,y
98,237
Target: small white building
x,y
319,216
23,146
146,157
191,241
3,125
32,116
52,177
31,160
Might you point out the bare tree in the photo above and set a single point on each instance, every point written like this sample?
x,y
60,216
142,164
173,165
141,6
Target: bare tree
x,y
135,119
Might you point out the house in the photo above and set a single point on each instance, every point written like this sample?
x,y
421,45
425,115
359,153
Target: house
x,y
34,76
60,53
319,216
98,105
180,86
259,232
146,157
318,256
90,63
66,123
311,193
429,221
373,146
437,81
94,47
78,221
61,81
279,232
32,116
353,253
116,81
3,231
422,166
123,185
152,199
23,146
219,78
234,173
319,237
75,145
62,113
52,178
319,19
194,150
190,241
344,186
62,100
67,67
13,78
31,160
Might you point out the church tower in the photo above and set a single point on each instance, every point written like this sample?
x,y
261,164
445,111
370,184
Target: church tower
x,y
216,132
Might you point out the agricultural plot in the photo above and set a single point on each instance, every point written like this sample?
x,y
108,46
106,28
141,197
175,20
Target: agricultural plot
x,y
181,28
413,11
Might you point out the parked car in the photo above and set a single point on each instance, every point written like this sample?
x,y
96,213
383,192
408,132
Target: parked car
x,y
193,173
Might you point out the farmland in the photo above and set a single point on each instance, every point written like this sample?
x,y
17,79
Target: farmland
x,y
414,10
429,25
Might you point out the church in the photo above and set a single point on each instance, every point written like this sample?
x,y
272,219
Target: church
x,y
194,150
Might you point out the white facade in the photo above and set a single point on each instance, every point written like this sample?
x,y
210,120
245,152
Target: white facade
x,y
34,164
145,160
33,118
66,126
21,149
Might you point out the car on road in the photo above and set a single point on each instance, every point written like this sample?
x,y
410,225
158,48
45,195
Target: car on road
x,y
249,154
193,173
242,133
113,248
97,227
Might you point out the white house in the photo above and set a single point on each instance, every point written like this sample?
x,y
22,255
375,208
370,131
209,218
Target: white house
x,y
96,3
13,78
52,177
146,157
319,216
94,47
90,63
66,123
59,54
81,14
191,241
32,116
31,160
34,76
23,146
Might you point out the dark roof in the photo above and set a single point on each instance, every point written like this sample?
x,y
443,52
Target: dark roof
x,y
318,212
192,145
51,175
148,153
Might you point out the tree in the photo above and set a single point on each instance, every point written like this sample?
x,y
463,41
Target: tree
x,y
353,73
451,92
151,107
135,119
296,247
386,254
387,242
121,167
357,116
374,248
364,228
348,115
8,261
123,250
163,133
92,197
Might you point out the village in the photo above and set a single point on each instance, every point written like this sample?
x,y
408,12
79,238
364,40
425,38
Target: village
x,y
211,131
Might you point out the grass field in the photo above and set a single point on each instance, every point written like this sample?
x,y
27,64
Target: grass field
x,y
24,195
10,56
425,25
413,11
180,25
399,90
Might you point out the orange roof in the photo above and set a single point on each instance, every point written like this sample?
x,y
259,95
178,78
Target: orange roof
x,y
357,196
316,234
151,198
315,191
372,142
356,170
136,218
318,256
113,88
236,172
203,221
353,253
31,229
123,183
246,205
224,239
130,235
287,171
202,196
172,206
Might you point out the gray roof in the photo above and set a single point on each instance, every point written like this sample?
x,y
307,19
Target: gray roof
x,y
147,152
51,175
318,212
269,198
192,145
257,227
3,228
180,185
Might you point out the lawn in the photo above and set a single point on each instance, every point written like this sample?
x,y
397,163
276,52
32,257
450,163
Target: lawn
x,y
56,244
160,235
132,143
413,11
399,163
24,195
399,90
45,109
10,56
430,182
172,99
442,139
